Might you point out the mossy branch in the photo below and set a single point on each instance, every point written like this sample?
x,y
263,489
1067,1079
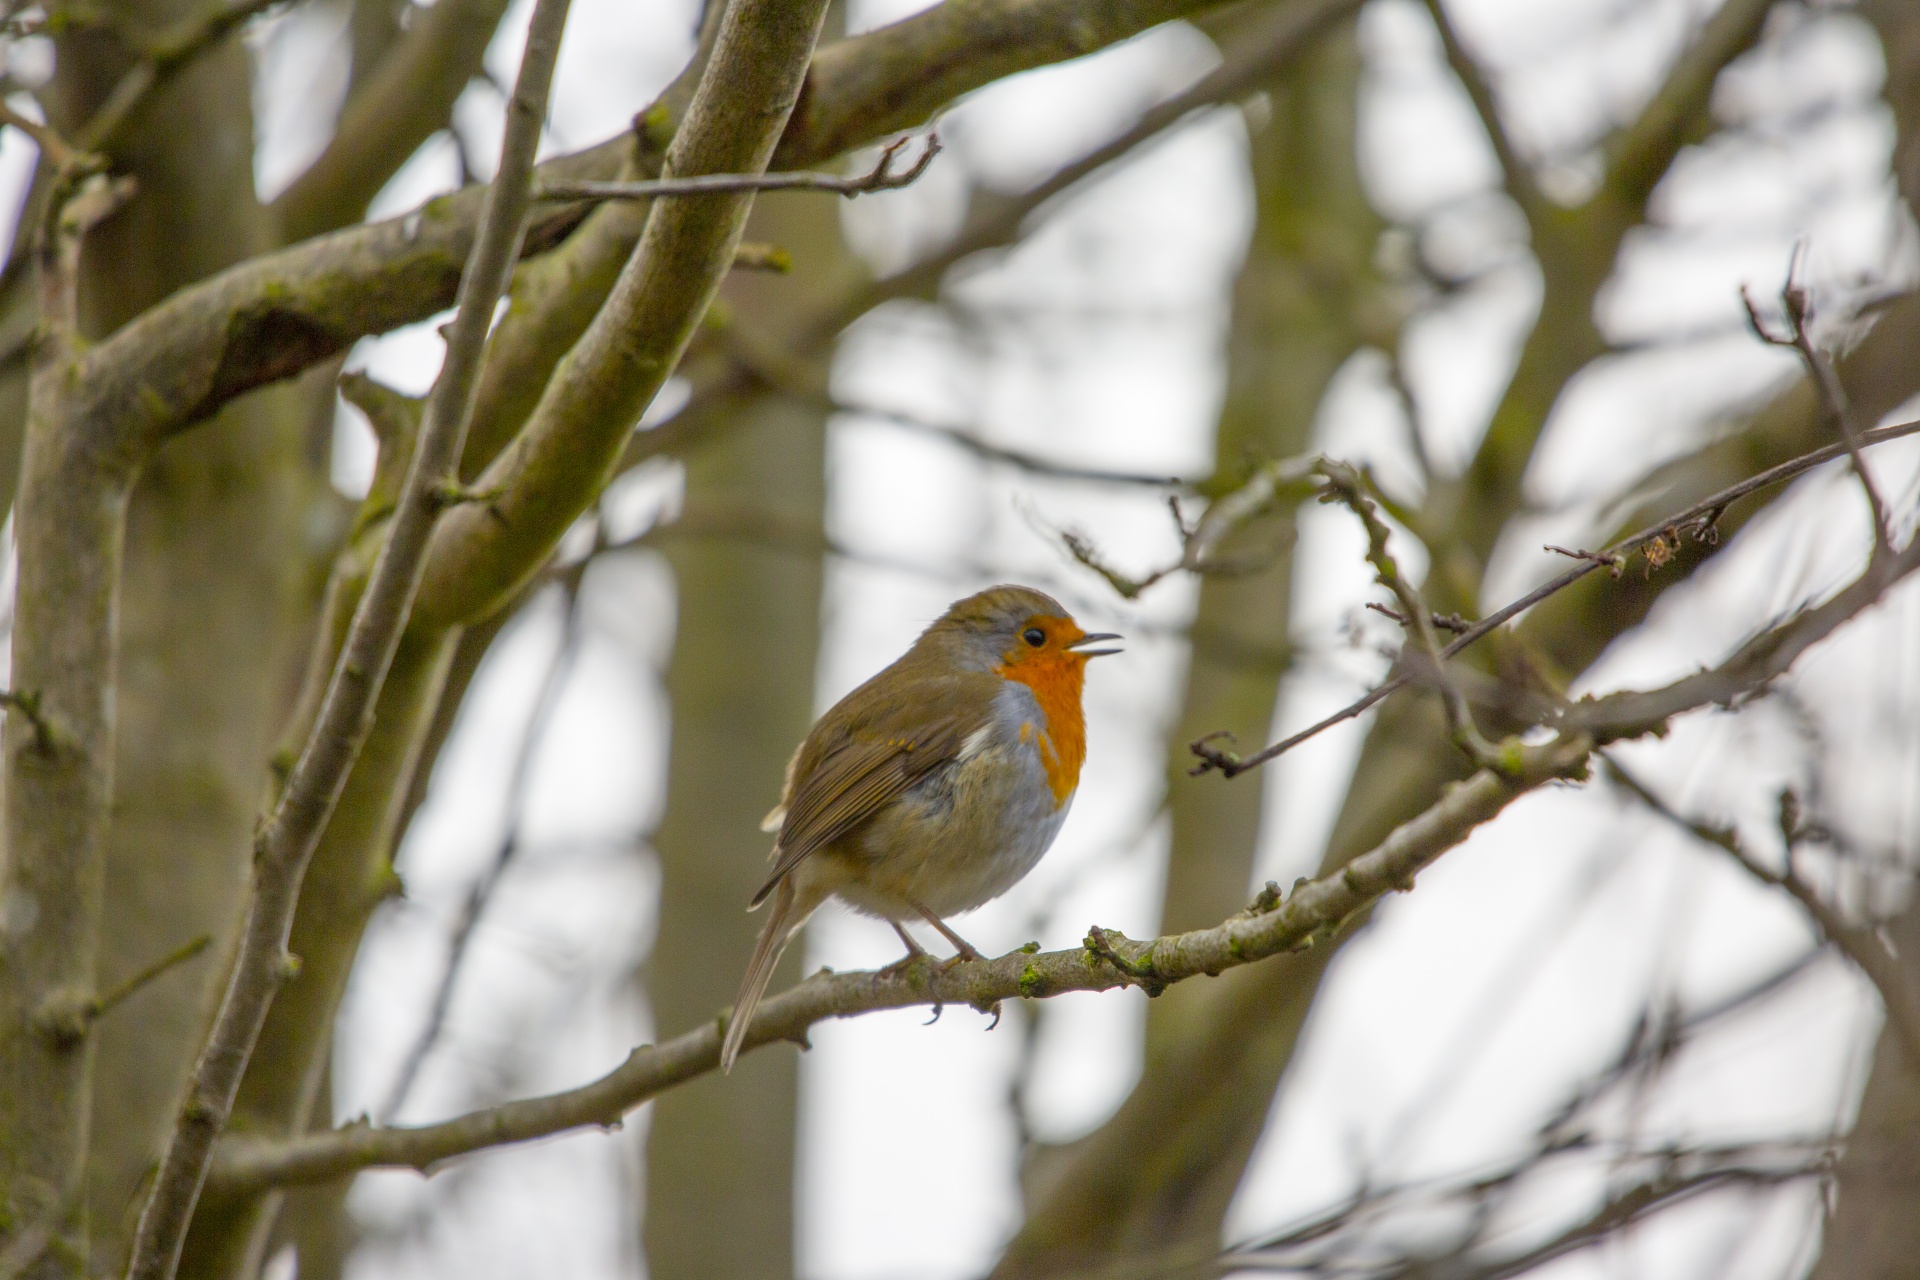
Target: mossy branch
x,y
286,842
276,315
1271,927
565,453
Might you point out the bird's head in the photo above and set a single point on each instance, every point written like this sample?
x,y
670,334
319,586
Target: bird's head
x,y
1016,632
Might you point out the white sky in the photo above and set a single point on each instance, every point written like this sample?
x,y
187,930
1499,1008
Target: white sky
x,y
1467,1011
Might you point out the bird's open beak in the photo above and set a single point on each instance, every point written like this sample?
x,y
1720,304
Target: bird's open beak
x,y
1095,638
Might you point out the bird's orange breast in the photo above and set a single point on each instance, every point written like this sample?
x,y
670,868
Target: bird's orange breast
x,y
1057,682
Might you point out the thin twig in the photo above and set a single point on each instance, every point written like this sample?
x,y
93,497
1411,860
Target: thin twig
x,y
1699,518
1452,623
68,1020
106,1001
880,178
1017,458
546,702
1614,564
1200,540
286,842
1864,946
1344,485
1326,1245
1797,302
1516,174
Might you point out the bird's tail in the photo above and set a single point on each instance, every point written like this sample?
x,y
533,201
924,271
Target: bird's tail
x,y
782,922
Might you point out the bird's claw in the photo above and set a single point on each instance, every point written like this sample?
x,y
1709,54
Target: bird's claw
x,y
967,956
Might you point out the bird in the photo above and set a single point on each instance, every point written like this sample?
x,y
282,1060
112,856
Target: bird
x,y
935,786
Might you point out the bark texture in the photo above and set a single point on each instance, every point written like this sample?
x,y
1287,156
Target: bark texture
x,y
221,536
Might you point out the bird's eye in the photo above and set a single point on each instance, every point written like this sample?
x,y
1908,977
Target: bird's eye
x,y
1034,636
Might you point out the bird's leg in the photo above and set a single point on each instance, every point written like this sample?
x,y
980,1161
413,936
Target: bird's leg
x,y
960,944
914,951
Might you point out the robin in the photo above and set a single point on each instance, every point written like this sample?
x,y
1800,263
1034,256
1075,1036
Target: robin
x,y
933,787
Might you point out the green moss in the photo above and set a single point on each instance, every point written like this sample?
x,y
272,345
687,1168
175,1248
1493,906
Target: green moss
x,y
1033,983
656,125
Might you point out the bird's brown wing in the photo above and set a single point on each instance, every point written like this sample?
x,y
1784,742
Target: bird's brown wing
x,y
844,778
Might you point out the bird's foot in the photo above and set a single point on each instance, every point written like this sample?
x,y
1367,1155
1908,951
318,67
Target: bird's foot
x,y
967,956
903,964
915,953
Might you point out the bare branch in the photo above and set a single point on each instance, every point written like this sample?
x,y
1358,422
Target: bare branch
x,y
1864,946
1346,1240
1639,155
408,95
566,451
880,178
1515,173
1797,301
1271,926
278,314
546,702
996,221
1452,623
1345,486
1201,540
1699,519
106,1001
897,77
1020,459
59,153
286,842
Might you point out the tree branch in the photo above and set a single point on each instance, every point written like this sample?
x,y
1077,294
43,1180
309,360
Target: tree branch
x,y
880,178
69,527
1346,1240
1868,951
1797,301
1639,155
408,96
286,843
1271,926
1516,175
1701,519
278,314
1345,486
1754,664
565,453
996,221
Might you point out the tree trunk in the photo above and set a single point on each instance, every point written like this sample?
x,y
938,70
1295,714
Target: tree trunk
x,y
1304,300
720,1152
214,595
1873,1230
